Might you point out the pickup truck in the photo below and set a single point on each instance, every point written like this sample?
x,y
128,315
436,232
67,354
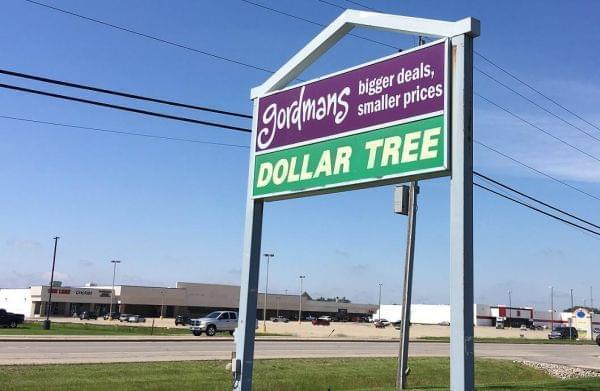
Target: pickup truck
x,y
8,319
213,322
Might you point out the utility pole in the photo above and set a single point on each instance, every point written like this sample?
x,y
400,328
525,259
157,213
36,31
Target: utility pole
x,y
268,256
379,312
591,300
46,325
413,190
112,292
509,309
300,310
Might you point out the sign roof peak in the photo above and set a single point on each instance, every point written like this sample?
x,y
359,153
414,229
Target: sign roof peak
x,y
344,23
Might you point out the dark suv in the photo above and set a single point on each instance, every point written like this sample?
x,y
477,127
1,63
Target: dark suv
x,y
182,319
563,332
88,315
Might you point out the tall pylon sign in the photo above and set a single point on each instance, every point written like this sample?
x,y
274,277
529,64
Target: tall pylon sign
x,y
400,118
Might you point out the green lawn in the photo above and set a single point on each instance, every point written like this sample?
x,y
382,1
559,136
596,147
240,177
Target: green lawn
x,y
291,374
58,328
115,329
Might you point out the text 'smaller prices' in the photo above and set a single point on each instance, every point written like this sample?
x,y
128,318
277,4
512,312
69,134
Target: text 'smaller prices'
x,y
375,122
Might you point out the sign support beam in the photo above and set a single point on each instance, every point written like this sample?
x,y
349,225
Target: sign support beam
x,y
246,331
461,217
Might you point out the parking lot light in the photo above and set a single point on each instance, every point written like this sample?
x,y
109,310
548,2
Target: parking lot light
x,y
112,292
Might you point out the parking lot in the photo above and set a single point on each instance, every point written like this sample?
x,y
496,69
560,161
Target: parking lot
x,y
341,329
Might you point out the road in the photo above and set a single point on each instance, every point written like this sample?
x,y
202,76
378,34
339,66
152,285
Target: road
x,y
585,356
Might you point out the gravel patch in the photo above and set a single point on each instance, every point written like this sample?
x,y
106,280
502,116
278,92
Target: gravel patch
x,y
561,371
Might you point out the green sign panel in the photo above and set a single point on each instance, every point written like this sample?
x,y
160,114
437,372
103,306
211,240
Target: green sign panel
x,y
412,148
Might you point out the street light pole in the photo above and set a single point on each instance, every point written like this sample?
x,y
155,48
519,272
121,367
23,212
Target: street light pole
x,y
552,307
112,292
571,317
509,309
268,256
379,311
46,325
162,303
300,310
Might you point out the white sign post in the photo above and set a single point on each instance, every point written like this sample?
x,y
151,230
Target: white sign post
x,y
460,34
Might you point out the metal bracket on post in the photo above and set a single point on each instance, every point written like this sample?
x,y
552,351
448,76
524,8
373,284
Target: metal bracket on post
x,y
461,217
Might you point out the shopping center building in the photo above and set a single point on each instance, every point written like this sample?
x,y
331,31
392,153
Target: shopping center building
x,y
194,299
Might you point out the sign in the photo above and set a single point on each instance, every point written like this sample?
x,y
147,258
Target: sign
x,y
581,313
362,126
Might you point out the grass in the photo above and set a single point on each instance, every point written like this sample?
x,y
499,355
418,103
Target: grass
x,y
116,329
514,340
59,328
290,374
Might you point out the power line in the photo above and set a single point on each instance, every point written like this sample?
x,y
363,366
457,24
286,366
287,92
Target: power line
x,y
361,5
152,37
137,134
316,23
488,100
536,104
121,93
488,60
536,127
535,170
136,96
535,90
536,209
247,116
264,70
125,108
122,132
487,178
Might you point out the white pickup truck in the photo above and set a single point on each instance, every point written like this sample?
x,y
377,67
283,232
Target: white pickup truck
x,y
213,322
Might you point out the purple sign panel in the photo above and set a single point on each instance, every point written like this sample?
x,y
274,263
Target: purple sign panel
x,y
393,90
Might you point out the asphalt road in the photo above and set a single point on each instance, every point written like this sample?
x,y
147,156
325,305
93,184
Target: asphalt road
x,y
586,356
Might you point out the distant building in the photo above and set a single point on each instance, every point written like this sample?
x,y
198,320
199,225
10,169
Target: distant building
x,y
193,299
488,315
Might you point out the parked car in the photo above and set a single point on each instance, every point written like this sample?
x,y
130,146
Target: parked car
x,y
279,319
322,321
124,317
87,315
8,319
327,318
213,322
136,319
379,324
598,339
182,320
112,315
563,332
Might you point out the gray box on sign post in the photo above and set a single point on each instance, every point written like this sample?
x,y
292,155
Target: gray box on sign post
x,y
401,196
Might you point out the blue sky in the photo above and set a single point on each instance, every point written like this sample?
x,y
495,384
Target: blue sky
x,y
173,211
